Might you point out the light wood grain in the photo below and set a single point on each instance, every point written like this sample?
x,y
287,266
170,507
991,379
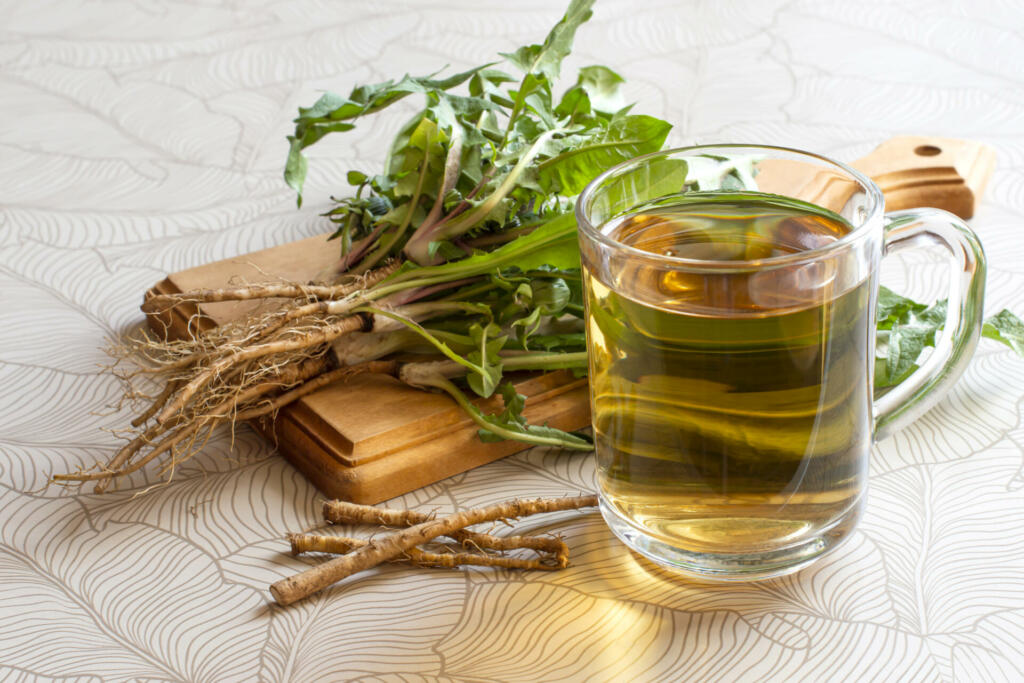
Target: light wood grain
x,y
911,171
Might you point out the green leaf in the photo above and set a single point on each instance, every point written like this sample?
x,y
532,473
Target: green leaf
x,y
486,82
552,243
510,190
530,85
524,306
547,57
524,58
445,249
539,102
710,173
425,146
487,341
892,308
662,177
511,420
602,86
394,161
296,165
332,113
365,99
526,326
1006,328
913,330
566,342
570,171
295,169
904,348
527,129
574,105
906,327
510,423
542,63
550,295
456,110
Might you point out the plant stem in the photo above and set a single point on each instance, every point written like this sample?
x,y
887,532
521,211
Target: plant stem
x,y
545,361
452,166
474,414
385,247
496,260
507,185
416,327
500,237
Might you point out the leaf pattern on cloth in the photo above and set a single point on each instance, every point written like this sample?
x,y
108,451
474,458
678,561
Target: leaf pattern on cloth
x,y
944,533
145,138
71,608
522,631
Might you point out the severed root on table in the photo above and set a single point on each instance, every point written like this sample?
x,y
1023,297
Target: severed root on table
x,y
402,545
342,512
305,543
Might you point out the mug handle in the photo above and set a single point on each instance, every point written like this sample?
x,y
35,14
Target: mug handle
x,y
955,345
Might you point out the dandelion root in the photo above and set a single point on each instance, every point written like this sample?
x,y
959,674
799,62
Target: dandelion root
x,y
162,302
386,548
343,512
313,543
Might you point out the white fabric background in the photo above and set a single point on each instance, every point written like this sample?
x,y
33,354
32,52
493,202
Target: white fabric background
x,y
139,137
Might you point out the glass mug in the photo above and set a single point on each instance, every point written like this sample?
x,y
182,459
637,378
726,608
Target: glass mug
x,y
731,342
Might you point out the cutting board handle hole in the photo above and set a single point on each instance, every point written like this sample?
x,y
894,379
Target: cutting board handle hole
x,y
927,150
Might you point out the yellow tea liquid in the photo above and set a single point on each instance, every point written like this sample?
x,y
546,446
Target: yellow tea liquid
x,y
732,410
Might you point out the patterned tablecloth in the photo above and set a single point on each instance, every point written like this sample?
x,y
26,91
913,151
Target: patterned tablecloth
x,y
139,137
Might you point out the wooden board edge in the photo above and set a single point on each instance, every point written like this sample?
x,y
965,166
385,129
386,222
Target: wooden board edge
x,y
538,388
416,466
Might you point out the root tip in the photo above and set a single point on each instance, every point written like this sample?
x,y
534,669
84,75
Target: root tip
x,y
283,593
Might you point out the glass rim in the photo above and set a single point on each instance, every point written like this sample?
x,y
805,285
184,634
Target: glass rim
x,y
859,231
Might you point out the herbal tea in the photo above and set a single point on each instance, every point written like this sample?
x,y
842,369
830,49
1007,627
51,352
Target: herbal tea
x,y
732,409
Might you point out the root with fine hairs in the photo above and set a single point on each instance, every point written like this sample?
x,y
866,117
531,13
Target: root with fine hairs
x,y
401,542
243,370
163,302
297,344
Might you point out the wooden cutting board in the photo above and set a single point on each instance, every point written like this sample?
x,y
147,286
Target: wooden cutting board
x,y
372,438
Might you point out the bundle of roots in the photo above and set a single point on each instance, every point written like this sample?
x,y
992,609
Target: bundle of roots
x,y
240,371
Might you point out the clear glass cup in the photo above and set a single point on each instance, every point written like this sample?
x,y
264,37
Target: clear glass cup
x,y
733,440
